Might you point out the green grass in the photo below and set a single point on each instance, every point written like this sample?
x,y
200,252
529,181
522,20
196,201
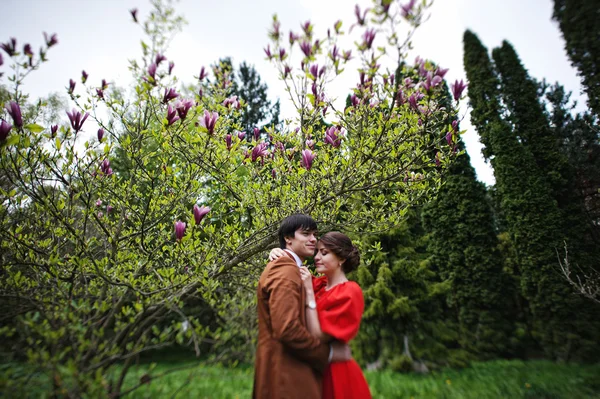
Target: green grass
x,y
496,379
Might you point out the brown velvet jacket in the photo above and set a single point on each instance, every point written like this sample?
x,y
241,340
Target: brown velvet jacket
x,y
289,359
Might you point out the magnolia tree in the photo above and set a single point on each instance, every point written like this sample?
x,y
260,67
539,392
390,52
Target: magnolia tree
x,y
154,231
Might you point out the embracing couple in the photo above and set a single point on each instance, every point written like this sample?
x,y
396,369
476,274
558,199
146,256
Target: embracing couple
x,y
306,322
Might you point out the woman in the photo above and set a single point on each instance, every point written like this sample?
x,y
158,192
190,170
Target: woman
x,y
334,307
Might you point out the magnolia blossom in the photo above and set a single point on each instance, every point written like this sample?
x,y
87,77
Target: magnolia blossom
x,y
105,167
333,136
256,132
368,38
171,115
71,86
4,130
100,134
457,89
228,141
232,102
53,130
15,112
183,107
408,8
159,58
209,120
99,203
171,66
241,135
50,40
170,94
133,13
449,137
76,119
202,74
414,99
10,47
179,230
259,151
84,76
152,71
307,159
200,212
306,48
431,81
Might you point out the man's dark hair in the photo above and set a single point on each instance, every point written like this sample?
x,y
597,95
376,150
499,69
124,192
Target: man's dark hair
x,y
290,224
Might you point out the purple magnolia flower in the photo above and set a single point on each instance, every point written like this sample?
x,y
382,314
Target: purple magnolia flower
x,y
354,100
104,84
159,58
71,86
200,94
438,161
170,94
76,119
105,167
183,107
256,132
282,54
232,102
286,71
457,89
306,48
27,50
449,136
368,38
171,66
400,97
414,99
1,60
335,53
259,151
4,130
203,74
172,116
100,93
53,130
84,76
455,125
441,72
408,83
152,71
360,18
52,40
241,135
347,55
200,212
98,203
431,81
209,120
228,141
310,143
307,159
333,136
10,47
274,173
100,134
133,13
15,112
109,209
407,8
293,37
179,230
314,70
268,52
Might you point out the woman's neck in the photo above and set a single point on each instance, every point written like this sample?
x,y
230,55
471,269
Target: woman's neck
x,y
335,278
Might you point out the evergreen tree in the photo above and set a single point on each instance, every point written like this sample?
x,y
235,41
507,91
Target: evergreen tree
x,y
520,95
532,216
464,250
578,21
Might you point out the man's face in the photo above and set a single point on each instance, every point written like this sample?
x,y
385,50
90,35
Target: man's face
x,y
303,243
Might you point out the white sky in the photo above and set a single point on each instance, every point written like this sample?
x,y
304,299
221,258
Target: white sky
x,y
98,36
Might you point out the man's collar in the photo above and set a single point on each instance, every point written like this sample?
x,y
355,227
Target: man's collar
x,y
296,258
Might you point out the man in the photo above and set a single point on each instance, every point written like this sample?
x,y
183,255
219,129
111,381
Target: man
x,y
289,359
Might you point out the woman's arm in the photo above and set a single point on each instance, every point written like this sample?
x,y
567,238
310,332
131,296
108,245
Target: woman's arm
x,y
312,315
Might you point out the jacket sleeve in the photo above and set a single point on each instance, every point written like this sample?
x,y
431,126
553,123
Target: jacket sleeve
x,y
285,303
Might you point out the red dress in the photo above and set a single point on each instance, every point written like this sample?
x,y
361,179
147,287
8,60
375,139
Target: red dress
x,y
340,310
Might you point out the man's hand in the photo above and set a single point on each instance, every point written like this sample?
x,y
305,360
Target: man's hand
x,y
276,253
341,352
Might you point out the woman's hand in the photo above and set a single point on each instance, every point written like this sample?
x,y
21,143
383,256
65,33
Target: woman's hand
x,y
276,253
306,279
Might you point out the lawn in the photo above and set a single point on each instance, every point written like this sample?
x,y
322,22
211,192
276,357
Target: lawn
x,y
496,379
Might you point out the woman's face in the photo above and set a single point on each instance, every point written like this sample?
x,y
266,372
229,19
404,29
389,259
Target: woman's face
x,y
326,262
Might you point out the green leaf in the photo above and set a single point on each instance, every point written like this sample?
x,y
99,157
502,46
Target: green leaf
x,y
32,127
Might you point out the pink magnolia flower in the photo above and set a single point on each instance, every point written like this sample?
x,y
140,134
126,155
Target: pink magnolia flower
x,y
84,76
232,102
183,107
4,130
53,130
241,135
307,159
209,120
306,48
71,86
170,94
77,119
200,212
256,132
259,151
333,136
457,89
172,116
368,38
15,112
202,74
52,40
100,134
408,8
10,47
179,230
228,141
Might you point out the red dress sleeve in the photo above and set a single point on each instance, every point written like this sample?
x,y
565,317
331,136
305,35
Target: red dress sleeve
x,y
340,311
